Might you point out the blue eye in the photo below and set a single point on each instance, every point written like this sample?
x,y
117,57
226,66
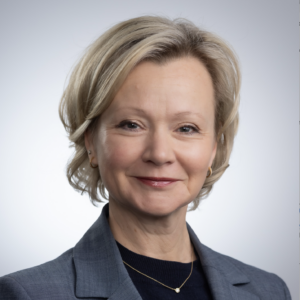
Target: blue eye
x,y
188,129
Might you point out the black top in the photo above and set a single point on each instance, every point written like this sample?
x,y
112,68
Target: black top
x,y
170,273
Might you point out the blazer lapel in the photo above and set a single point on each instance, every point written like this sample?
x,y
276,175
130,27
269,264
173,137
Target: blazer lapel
x,y
99,268
126,291
226,281
222,289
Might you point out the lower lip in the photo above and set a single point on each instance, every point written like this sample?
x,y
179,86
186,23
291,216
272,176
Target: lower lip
x,y
155,183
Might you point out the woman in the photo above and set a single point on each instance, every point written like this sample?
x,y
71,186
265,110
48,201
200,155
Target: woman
x,y
152,111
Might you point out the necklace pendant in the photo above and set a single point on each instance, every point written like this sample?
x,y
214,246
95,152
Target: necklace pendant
x,y
177,290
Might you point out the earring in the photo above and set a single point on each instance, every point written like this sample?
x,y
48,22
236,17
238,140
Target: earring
x,y
92,165
89,152
210,172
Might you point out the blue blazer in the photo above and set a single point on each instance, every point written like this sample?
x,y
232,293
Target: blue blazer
x,y
93,269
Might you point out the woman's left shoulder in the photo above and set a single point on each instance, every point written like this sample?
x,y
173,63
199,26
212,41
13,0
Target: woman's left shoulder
x,y
255,273
237,277
256,280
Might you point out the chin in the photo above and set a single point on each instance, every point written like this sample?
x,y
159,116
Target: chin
x,y
159,207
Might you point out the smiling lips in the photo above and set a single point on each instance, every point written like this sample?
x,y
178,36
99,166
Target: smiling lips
x,y
156,181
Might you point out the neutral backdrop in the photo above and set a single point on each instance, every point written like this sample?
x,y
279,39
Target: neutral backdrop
x,y
252,213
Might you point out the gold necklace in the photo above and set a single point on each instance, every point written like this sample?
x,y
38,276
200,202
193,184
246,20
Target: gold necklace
x,y
177,290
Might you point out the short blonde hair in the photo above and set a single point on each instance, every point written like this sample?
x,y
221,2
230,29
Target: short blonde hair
x,y
106,63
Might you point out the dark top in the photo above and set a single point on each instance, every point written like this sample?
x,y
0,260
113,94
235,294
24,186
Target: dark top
x,y
170,273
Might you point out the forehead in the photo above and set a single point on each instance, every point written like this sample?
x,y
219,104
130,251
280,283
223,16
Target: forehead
x,y
180,85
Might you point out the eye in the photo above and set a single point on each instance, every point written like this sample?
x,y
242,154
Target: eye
x,y
128,125
188,129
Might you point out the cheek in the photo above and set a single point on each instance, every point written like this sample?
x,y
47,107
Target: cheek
x,y
117,154
195,162
195,159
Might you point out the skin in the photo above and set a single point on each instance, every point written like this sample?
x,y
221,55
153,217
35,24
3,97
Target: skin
x,y
169,110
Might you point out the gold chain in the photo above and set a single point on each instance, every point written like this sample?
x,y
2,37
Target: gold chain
x,y
177,290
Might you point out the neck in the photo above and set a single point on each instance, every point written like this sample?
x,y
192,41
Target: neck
x,y
164,238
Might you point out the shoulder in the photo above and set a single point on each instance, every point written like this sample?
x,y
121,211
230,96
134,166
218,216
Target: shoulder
x,y
260,282
254,273
236,278
51,280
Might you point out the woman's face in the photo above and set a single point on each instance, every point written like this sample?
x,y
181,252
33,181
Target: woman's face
x,y
156,140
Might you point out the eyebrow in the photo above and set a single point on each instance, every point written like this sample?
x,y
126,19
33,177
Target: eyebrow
x,y
178,114
131,108
184,113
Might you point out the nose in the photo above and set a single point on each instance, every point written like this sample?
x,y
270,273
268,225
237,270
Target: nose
x,y
159,148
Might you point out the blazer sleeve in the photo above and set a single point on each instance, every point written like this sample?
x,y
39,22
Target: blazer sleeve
x,y
10,289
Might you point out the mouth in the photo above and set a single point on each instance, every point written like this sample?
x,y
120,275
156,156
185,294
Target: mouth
x,y
157,181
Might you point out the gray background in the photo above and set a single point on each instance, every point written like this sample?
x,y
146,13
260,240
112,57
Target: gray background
x,y
252,213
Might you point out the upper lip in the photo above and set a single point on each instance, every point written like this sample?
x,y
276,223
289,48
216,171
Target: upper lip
x,y
157,178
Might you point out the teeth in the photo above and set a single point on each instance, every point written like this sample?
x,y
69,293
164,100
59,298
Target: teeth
x,y
158,182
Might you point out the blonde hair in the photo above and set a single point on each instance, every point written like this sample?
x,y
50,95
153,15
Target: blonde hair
x,y
106,63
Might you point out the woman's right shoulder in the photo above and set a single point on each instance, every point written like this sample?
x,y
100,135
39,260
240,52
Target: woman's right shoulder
x,y
51,280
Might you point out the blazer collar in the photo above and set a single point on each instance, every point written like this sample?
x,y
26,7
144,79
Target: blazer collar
x,y
226,281
100,271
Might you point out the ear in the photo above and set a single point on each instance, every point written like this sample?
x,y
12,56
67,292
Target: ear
x,y
88,141
214,151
